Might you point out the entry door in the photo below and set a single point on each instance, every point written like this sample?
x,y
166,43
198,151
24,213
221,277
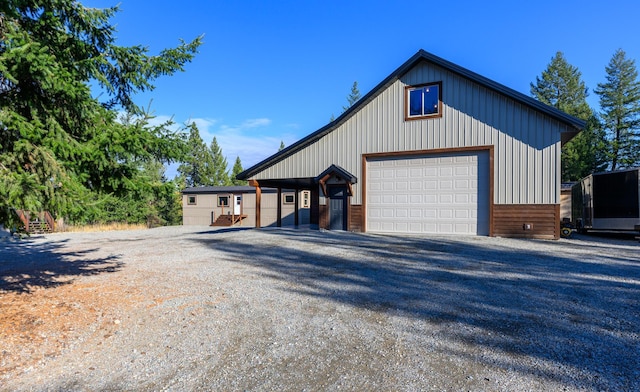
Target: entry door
x,y
237,204
337,207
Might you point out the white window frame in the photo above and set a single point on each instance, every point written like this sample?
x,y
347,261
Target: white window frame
x,y
227,197
285,196
422,115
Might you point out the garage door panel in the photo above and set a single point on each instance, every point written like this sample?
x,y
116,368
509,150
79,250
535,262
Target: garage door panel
x,y
445,194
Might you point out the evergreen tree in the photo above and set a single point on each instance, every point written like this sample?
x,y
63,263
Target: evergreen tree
x,y
586,153
353,97
561,86
620,105
219,174
198,166
61,149
237,169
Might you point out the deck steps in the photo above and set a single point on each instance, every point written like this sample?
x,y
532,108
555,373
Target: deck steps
x,y
39,227
228,220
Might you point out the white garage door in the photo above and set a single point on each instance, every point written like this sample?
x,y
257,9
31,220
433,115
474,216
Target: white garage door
x,y
438,194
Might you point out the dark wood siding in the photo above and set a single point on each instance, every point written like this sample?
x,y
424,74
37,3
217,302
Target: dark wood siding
x,y
323,216
509,220
355,219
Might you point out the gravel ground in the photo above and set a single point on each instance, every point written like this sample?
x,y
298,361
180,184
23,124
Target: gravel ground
x,y
191,308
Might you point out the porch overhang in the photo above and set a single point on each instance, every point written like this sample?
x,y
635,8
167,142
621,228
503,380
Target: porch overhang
x,y
339,173
285,183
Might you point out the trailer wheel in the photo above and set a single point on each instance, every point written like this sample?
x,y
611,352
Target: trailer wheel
x,y
565,232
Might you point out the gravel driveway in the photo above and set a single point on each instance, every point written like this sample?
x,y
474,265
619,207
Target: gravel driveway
x,y
191,308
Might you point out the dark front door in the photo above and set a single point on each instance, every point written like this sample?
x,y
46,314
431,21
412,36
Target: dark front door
x,y
337,208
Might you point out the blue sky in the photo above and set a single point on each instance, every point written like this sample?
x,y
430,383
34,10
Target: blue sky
x,y
272,71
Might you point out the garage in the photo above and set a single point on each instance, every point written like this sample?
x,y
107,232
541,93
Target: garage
x,y
434,148
434,194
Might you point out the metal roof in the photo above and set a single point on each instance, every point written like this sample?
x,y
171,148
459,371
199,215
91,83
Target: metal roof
x,y
337,170
222,189
421,55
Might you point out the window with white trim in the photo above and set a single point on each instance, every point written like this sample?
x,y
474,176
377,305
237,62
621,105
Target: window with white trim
x,y
423,101
192,200
223,201
288,198
306,199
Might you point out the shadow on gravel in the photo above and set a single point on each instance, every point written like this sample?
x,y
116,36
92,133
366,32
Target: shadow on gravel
x,y
578,314
27,265
225,230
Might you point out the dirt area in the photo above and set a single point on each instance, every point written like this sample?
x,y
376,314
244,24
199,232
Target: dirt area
x,y
200,309
41,323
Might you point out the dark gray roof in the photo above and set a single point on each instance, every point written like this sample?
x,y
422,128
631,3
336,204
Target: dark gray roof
x,y
223,189
335,169
422,55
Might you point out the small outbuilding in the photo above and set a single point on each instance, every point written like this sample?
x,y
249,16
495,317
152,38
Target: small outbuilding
x,y
434,149
236,206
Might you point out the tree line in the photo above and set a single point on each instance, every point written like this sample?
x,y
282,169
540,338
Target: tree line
x,y
611,138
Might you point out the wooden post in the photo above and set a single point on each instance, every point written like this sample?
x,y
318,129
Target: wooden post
x,y
258,200
296,220
279,224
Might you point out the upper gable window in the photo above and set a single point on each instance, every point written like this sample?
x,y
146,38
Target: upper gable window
x,y
423,101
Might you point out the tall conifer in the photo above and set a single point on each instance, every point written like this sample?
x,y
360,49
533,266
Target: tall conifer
x,y
561,86
220,173
61,148
237,169
620,104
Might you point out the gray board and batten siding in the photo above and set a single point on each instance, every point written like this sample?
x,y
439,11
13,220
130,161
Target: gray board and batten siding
x,y
523,135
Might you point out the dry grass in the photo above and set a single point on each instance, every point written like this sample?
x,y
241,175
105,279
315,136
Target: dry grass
x,y
104,227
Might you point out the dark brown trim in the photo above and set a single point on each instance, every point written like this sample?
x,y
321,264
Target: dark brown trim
x,y
258,200
406,102
491,188
323,184
436,151
364,191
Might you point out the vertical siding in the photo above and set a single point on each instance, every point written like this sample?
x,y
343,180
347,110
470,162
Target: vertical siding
x,y
527,143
